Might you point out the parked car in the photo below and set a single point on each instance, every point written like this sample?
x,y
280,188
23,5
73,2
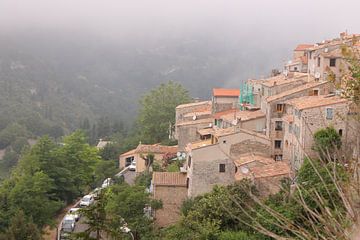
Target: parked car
x,y
132,166
87,200
75,212
96,193
107,182
68,225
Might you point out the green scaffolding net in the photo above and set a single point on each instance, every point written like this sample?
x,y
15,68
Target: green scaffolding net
x,y
246,97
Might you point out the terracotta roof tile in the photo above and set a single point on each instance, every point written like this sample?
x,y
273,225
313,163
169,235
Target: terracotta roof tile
x,y
315,101
271,170
194,104
303,47
282,79
248,158
155,148
169,179
218,115
226,92
199,121
243,115
295,90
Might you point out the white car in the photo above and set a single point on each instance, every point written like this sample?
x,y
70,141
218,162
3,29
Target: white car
x,y
132,166
75,212
68,223
107,182
87,200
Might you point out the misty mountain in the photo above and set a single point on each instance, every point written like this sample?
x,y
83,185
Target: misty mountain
x,y
59,79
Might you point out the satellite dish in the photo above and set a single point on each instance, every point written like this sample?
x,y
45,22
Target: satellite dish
x,y
194,117
183,155
178,154
234,122
244,170
210,125
317,75
326,50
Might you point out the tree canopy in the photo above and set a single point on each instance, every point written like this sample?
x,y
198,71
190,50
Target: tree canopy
x,y
157,111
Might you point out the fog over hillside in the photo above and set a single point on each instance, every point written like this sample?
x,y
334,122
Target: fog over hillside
x,y
105,55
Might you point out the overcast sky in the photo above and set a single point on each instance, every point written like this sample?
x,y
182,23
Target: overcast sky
x,y
279,19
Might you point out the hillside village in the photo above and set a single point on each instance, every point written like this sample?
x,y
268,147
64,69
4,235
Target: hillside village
x,y
261,131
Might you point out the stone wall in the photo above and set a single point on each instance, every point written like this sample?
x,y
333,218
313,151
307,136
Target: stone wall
x,y
172,198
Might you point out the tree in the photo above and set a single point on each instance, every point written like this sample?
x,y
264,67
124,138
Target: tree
x,y
96,219
21,229
327,142
149,160
126,206
157,111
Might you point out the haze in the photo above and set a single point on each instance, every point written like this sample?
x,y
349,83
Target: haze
x,y
128,47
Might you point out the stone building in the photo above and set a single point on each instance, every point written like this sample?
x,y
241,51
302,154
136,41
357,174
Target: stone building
x,y
263,171
171,189
280,83
136,155
306,115
299,63
253,120
190,118
189,131
325,58
224,99
274,107
211,162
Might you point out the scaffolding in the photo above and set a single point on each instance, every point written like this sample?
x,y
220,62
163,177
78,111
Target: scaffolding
x,y
246,97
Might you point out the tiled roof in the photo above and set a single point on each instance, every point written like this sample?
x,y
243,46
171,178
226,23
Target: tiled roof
x,y
271,170
220,132
315,101
218,115
248,158
226,92
199,121
303,47
155,148
199,144
336,53
243,115
282,79
169,179
295,90
205,131
194,104
131,152
198,113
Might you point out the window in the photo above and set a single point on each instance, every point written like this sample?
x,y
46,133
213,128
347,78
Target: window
x,y
224,141
340,132
278,157
187,182
221,167
295,69
318,61
329,113
316,92
279,107
189,161
277,144
278,125
332,62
